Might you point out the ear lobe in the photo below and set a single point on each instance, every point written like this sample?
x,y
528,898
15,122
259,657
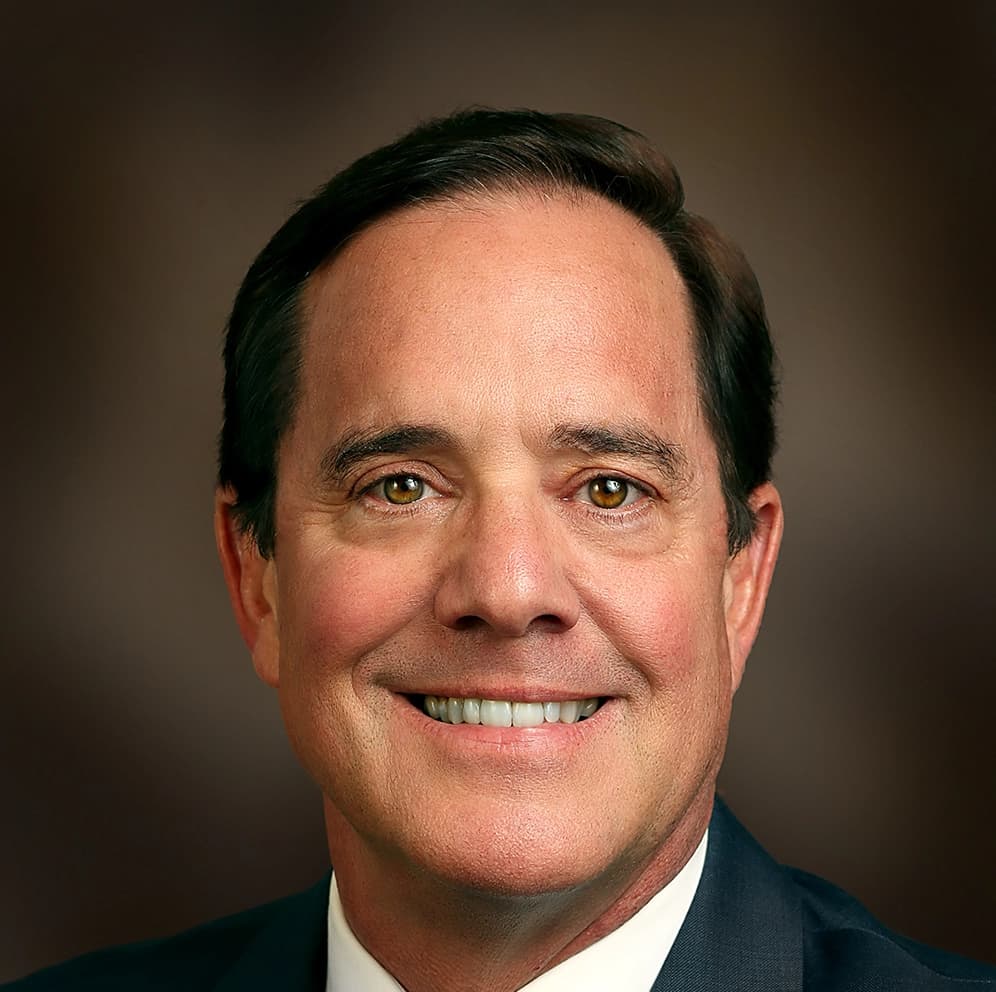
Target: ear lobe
x,y
252,588
748,578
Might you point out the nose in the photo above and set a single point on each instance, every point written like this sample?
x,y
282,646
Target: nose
x,y
505,571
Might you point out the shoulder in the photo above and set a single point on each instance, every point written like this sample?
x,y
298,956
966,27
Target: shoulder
x,y
846,947
194,960
756,924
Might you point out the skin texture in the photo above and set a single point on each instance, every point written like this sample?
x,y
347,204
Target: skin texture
x,y
516,328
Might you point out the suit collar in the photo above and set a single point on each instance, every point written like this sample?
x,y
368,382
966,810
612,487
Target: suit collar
x,y
743,930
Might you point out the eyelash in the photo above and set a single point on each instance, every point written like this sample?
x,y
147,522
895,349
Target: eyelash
x,y
607,514
632,487
395,508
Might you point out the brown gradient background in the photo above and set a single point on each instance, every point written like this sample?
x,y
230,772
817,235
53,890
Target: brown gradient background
x,y
146,783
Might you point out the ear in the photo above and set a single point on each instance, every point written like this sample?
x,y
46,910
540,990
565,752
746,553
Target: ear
x,y
748,578
252,588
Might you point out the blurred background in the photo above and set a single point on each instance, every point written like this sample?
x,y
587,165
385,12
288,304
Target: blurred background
x,y
146,784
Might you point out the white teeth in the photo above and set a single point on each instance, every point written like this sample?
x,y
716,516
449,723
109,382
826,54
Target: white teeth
x,y
495,713
569,711
527,714
504,713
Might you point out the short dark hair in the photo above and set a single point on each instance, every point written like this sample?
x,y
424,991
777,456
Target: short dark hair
x,y
471,153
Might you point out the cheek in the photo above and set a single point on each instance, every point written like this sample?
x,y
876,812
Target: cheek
x,y
668,622
343,604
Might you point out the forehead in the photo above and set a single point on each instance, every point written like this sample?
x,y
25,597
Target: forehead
x,y
568,293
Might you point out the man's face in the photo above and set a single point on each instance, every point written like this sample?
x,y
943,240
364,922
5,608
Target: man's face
x,y
499,485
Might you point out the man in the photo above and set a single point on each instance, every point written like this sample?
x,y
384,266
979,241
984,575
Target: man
x,y
496,518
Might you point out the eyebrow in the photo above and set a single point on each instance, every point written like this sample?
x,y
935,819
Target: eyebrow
x,y
597,439
357,446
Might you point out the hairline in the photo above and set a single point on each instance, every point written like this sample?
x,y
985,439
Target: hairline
x,y
676,229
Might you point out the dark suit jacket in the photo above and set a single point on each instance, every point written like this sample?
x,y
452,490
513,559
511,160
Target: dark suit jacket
x,y
754,926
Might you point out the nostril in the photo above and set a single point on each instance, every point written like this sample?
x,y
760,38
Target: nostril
x,y
545,621
469,622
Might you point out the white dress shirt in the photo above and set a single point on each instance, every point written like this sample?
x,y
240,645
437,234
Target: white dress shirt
x,y
625,960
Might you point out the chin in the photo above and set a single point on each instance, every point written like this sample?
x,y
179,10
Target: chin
x,y
524,853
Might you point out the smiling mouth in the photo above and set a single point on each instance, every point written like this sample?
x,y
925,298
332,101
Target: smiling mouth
x,y
505,713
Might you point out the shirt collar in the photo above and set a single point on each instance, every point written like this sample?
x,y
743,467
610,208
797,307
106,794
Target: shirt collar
x,y
627,959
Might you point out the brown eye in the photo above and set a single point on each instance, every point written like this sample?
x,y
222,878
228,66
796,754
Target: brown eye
x,y
403,488
608,492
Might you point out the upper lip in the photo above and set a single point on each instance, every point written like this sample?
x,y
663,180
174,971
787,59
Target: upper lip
x,y
514,695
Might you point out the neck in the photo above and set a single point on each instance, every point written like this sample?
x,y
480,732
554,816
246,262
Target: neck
x,y
435,935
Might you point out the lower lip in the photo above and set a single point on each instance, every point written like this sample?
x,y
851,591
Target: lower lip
x,y
522,741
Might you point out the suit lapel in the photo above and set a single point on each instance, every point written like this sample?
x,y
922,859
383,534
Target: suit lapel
x,y
289,951
743,930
